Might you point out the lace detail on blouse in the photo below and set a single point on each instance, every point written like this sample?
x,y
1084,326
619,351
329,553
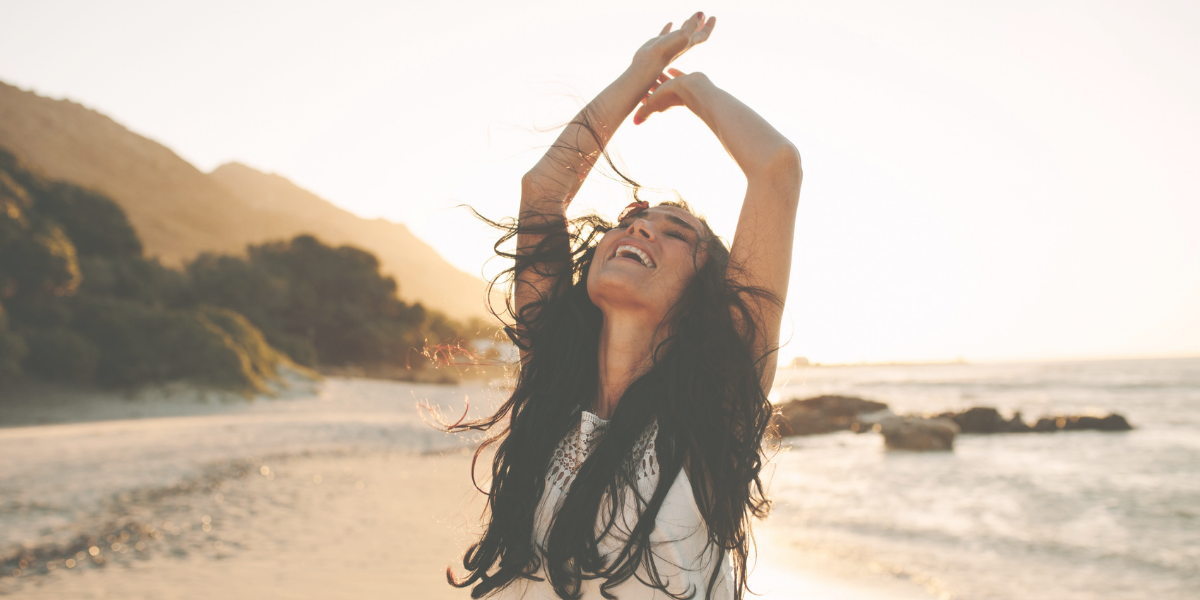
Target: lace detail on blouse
x,y
582,439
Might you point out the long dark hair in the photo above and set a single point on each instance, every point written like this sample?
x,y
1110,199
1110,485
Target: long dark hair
x,y
703,390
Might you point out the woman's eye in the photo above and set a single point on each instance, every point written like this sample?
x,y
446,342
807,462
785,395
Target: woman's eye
x,y
677,235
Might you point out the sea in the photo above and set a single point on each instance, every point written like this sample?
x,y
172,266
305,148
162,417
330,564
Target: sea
x,y
1061,515
213,492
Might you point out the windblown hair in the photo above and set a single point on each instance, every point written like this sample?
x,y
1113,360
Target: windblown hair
x,y
703,389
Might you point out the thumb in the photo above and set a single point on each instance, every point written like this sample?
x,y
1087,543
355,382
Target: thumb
x,y
649,106
641,114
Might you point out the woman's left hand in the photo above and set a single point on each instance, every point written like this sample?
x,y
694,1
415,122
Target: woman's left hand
x,y
665,94
663,49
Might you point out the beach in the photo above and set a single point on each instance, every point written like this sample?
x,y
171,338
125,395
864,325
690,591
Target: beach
x,y
336,491
342,490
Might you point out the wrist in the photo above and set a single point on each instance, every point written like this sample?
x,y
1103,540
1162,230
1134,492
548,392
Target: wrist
x,y
693,87
646,66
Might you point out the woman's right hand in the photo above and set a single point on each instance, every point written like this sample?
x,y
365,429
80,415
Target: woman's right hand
x,y
667,92
661,51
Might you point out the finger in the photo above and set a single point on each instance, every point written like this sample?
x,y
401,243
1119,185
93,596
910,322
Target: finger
x,y
675,72
691,25
666,29
644,111
639,117
662,77
706,30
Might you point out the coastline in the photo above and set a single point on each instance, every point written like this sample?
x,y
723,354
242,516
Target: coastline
x,y
303,514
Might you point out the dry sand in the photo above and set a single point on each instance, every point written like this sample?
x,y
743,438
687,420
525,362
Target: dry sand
x,y
256,515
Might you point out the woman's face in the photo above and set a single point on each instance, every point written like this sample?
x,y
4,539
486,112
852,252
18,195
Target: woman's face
x,y
644,264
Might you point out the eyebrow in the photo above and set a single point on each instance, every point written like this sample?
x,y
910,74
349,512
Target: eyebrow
x,y
681,222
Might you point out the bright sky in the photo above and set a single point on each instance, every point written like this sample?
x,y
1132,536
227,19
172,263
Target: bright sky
x,y
986,180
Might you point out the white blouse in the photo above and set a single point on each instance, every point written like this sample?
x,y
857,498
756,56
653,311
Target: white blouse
x,y
679,541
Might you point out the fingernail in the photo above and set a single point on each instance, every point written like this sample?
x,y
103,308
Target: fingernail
x,y
701,15
637,120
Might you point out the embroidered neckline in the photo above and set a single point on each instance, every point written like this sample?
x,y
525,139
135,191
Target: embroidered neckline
x,y
579,442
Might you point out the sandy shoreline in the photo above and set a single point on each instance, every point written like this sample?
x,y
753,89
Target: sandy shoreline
x,y
334,517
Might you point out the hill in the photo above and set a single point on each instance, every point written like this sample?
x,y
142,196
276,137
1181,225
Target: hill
x,y
425,271
179,211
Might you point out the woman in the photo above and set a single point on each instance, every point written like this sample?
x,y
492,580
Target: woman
x,y
629,460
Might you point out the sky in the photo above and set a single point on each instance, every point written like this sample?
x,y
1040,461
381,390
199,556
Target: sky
x,y
982,180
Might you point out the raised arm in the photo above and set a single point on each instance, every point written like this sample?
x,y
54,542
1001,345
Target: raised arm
x,y
549,186
762,244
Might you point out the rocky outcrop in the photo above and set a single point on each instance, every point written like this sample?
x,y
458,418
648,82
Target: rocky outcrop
x,y
828,414
824,414
917,433
1113,422
982,419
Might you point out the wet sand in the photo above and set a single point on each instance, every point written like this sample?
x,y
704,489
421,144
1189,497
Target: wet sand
x,y
374,526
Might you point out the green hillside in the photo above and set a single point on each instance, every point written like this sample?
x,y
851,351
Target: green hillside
x,y
80,301
180,212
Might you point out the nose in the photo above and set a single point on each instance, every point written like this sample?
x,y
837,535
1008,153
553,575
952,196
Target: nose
x,y
639,227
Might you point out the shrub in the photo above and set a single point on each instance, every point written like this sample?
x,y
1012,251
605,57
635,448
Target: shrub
x,y
259,361
208,345
299,348
96,225
12,351
61,355
125,333
320,304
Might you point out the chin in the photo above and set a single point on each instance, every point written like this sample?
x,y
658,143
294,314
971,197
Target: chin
x,y
624,291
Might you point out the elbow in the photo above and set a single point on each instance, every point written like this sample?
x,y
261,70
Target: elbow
x,y
531,192
783,168
526,183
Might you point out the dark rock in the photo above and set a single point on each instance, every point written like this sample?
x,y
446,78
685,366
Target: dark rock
x,y
1045,425
985,419
1113,422
844,406
981,419
916,433
1016,424
1080,423
824,414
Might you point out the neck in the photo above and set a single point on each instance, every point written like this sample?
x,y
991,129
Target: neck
x,y
626,346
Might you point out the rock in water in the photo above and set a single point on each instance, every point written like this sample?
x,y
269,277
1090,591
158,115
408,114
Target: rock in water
x,y
1113,422
1045,425
916,433
981,419
823,414
1017,424
984,419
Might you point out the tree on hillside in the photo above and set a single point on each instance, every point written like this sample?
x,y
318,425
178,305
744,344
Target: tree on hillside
x,y
79,302
320,303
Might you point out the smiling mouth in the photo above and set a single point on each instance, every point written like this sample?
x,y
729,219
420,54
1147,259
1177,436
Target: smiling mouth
x,y
627,251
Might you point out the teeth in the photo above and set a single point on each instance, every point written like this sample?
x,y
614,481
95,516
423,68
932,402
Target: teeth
x,y
636,252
